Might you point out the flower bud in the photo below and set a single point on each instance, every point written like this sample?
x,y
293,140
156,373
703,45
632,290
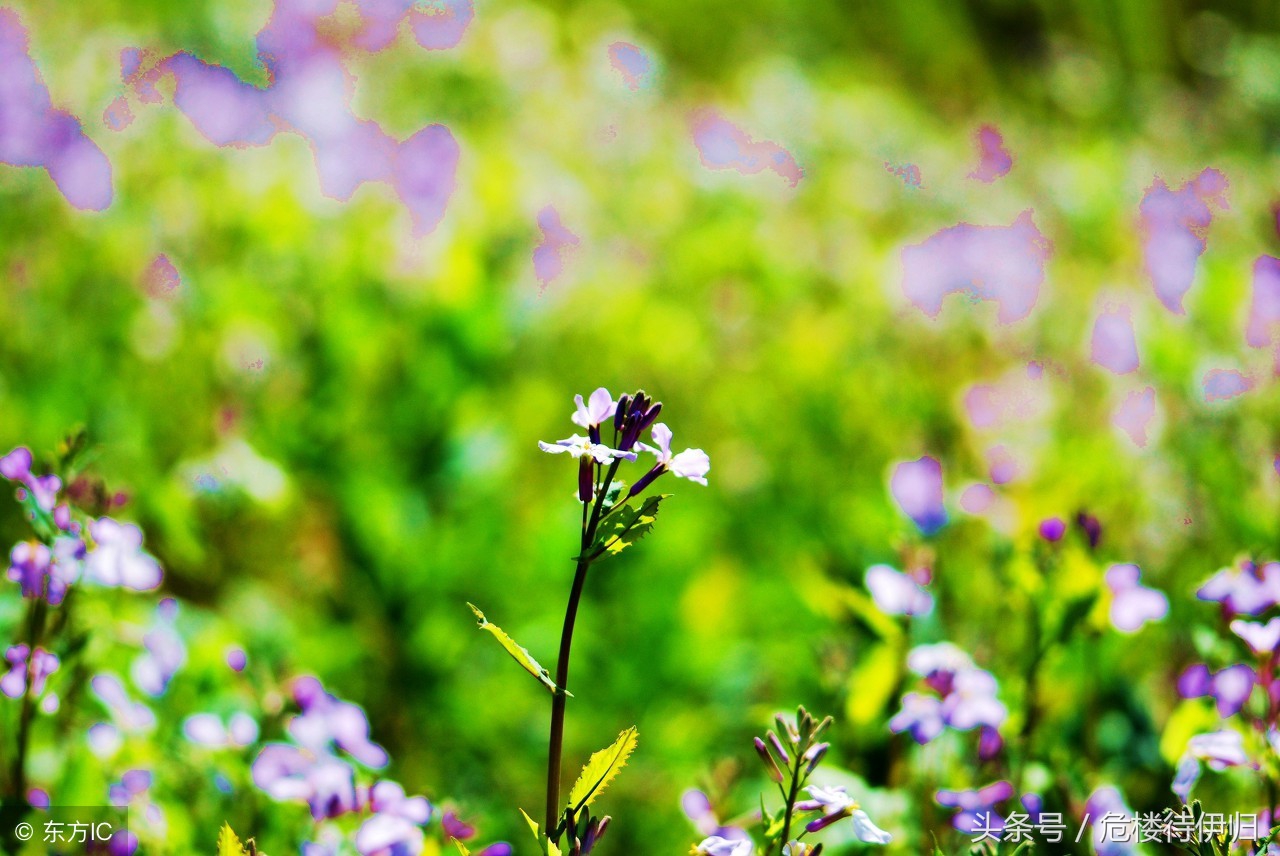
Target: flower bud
x,y
777,747
770,764
814,755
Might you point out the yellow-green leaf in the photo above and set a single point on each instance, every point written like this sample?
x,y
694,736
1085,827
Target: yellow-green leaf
x,y
601,769
520,654
622,528
228,843
462,848
546,845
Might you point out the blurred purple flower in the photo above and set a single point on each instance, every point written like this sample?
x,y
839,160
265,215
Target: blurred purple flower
x,y
977,807
326,719
1107,807
1247,589
717,846
129,715
164,652
1219,749
46,573
325,783
1185,777
917,488
1133,604
42,664
208,729
697,807
1092,528
16,466
1052,529
897,593
1175,224
1262,638
921,716
237,659
835,804
972,701
989,743
1230,687
117,558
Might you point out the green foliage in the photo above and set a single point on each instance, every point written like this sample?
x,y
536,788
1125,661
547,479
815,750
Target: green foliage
x,y
623,526
601,769
229,844
518,653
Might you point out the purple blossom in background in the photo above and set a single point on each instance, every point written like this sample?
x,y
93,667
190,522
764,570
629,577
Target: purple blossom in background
x,y
164,652
237,659
972,701
1262,638
1225,384
34,133
938,664
1219,749
1134,414
977,807
1185,777
16,466
1004,264
897,593
723,145
697,807
921,716
327,720
41,572
208,729
1052,529
550,253
117,558
104,739
1264,304
1133,604
1114,346
1175,225
42,664
396,825
633,64
1230,687
289,773
1106,804
1247,589
131,716
994,159
917,488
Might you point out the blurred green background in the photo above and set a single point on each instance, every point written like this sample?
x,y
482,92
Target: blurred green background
x,y
341,500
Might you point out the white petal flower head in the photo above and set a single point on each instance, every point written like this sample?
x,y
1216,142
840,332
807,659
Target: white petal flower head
x,y
717,846
924,660
691,464
577,446
118,559
595,410
868,831
1262,638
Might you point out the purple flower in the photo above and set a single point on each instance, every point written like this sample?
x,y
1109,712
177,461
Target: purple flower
x,y
326,720
1262,638
1220,749
1052,529
16,466
164,652
237,659
1133,604
42,664
634,415
938,664
697,807
1092,528
130,715
389,835
897,593
325,783
977,807
117,558
1230,687
46,573
989,743
917,488
388,797
921,715
593,413
1185,777
972,701
691,464
207,729
717,846
835,804
1247,589
1107,808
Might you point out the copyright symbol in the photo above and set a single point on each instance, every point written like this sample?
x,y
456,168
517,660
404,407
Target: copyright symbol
x,y
24,831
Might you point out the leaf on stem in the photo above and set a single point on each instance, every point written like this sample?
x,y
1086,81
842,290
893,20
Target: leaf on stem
x,y
601,770
462,848
518,653
623,527
229,844
545,844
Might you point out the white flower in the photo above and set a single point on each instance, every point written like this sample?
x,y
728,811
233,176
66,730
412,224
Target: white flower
x,y
1262,638
577,446
691,464
595,410
117,558
717,846
868,831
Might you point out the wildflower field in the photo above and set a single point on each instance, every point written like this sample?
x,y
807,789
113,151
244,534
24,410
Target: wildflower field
x,y
631,427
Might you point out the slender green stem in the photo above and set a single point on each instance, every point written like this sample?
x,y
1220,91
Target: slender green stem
x,y
791,799
35,629
555,743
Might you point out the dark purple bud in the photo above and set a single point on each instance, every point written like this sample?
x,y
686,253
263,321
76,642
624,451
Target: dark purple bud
x,y
652,414
620,415
594,433
815,754
989,743
1052,529
645,480
769,764
586,478
1092,528
777,747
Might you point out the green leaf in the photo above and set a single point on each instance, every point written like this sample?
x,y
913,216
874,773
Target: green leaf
x,y
521,655
1075,611
546,845
462,848
601,769
229,844
622,528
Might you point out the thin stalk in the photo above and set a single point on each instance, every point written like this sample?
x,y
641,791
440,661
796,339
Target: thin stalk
x,y
35,629
555,743
791,799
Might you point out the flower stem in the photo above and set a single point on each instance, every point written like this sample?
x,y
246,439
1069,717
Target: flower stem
x,y
555,743
35,629
791,799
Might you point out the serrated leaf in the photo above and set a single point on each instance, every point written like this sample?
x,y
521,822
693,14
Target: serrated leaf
x,y
601,769
228,843
545,845
624,527
520,654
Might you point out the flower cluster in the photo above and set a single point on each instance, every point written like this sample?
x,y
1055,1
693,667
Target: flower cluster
x,y
628,417
789,761
956,693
